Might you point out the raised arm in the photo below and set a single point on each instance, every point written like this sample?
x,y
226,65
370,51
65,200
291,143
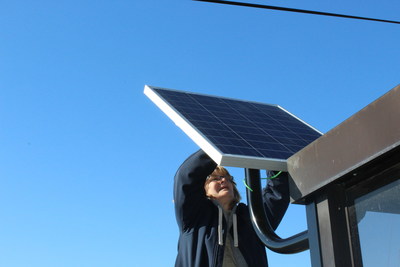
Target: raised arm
x,y
189,195
276,198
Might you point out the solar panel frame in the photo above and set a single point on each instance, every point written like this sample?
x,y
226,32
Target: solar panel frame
x,y
184,108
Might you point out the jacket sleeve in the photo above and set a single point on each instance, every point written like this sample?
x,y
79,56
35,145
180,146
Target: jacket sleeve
x,y
189,194
276,198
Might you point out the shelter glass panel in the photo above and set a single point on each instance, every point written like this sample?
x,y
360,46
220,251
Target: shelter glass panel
x,y
378,224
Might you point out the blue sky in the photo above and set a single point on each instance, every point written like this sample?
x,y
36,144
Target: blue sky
x,y
87,161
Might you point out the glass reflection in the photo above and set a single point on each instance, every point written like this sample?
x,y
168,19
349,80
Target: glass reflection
x,y
378,217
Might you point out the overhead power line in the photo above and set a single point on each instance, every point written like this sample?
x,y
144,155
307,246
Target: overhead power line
x,y
296,10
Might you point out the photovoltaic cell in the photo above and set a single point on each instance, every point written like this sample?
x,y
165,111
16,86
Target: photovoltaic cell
x,y
235,132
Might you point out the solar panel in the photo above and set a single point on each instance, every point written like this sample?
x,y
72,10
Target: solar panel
x,y
234,132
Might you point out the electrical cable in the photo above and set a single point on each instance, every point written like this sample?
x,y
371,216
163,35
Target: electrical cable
x,y
296,10
269,178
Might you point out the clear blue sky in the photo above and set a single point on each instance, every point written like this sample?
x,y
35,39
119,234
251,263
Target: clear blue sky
x,y
87,161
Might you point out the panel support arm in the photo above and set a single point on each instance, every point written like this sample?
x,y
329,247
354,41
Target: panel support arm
x,y
265,232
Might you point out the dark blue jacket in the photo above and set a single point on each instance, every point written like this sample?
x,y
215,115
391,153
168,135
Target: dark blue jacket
x,y
197,217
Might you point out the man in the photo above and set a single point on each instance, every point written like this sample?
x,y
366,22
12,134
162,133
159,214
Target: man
x,y
215,229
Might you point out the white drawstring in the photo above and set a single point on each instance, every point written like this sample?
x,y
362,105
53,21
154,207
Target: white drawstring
x,y
235,231
220,236
235,228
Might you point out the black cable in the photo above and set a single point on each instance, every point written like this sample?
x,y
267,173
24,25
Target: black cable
x,y
296,10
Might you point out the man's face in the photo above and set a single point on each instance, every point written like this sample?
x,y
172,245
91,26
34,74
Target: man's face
x,y
219,187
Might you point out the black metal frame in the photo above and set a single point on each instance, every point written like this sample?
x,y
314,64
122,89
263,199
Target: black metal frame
x,y
313,234
333,236
331,216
